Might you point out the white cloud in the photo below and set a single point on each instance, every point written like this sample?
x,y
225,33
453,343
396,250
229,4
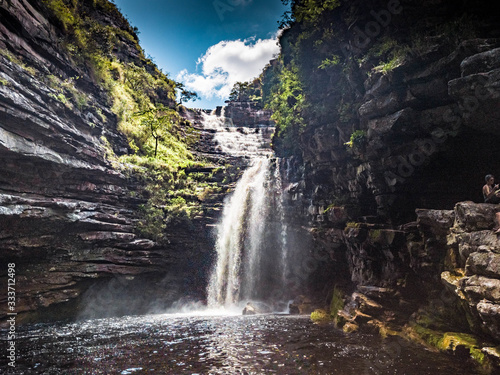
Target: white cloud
x,y
229,62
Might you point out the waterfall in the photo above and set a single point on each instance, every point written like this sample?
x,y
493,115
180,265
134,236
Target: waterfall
x,y
239,141
251,245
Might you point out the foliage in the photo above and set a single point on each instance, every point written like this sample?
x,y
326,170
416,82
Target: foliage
x,y
357,140
144,101
159,122
247,91
330,62
390,53
307,11
288,104
66,92
320,57
17,60
310,11
298,87
184,94
172,195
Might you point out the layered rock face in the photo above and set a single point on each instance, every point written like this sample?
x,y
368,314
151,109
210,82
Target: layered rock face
x,y
67,215
476,278
247,113
424,138
427,133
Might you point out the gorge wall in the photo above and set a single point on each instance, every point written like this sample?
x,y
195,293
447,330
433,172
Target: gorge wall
x,y
247,113
70,213
396,108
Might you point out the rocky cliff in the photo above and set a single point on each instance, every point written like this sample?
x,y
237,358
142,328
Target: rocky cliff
x,y
247,113
70,212
396,106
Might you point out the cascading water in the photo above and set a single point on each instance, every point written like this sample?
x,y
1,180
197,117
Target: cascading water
x,y
247,142
251,242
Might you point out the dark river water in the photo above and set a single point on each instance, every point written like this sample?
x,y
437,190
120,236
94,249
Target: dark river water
x,y
188,344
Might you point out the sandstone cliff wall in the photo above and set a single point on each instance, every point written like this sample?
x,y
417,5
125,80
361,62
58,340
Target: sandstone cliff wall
x,y
68,215
382,207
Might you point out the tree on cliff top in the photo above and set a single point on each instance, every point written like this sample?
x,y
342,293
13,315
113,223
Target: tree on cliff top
x,y
246,91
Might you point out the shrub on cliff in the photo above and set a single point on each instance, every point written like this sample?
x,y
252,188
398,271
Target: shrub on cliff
x,y
103,46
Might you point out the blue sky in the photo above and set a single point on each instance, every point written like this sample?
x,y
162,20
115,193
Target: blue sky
x,y
207,44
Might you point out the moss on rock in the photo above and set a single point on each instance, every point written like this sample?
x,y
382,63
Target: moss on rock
x,y
458,343
320,316
336,304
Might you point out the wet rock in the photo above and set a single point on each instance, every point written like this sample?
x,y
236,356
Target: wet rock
x,y
481,62
475,217
483,263
247,113
253,308
249,309
391,124
302,305
350,327
438,222
471,242
480,287
490,315
68,216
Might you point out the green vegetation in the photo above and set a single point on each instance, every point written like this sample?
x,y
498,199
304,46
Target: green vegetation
x,y
353,225
296,87
18,61
144,99
308,11
247,91
451,342
159,122
320,316
288,105
337,303
332,315
184,94
357,140
330,62
66,92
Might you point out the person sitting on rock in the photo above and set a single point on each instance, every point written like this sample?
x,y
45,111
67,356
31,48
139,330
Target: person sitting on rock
x,y
491,194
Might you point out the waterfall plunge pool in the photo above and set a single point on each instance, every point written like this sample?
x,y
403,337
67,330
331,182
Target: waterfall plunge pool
x,y
213,343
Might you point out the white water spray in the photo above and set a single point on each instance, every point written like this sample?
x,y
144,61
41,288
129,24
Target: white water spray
x,y
251,241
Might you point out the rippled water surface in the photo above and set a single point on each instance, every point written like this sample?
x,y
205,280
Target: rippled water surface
x,y
187,344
